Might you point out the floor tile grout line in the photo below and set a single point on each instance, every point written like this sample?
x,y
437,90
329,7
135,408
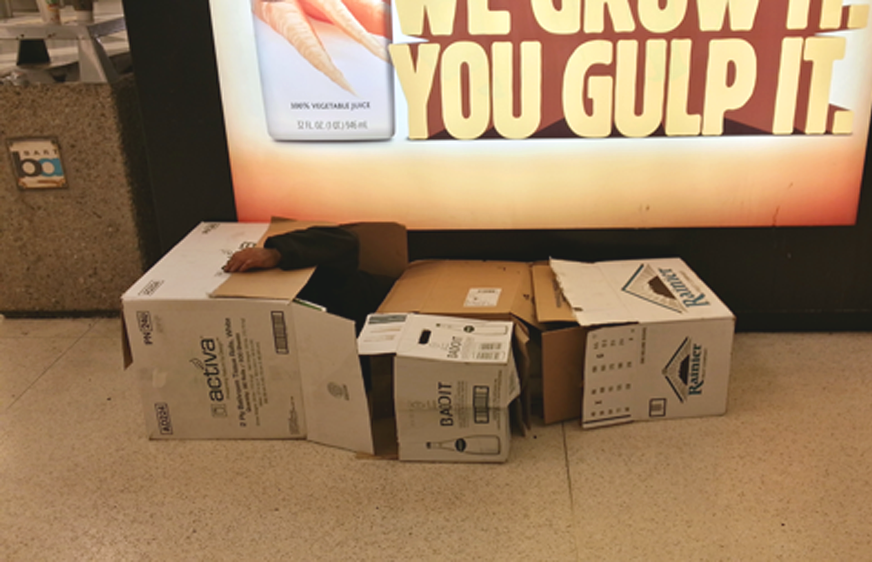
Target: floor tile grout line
x,y
28,335
50,367
571,495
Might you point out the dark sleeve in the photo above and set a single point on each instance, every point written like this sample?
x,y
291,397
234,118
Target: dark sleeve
x,y
334,250
336,284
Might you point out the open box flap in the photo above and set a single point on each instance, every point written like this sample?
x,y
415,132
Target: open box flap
x,y
337,409
383,251
269,283
625,291
193,268
452,339
563,352
476,289
551,305
594,300
384,247
264,284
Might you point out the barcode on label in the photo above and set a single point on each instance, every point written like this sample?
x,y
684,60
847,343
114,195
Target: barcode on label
x,y
481,404
151,287
164,423
490,351
280,332
386,318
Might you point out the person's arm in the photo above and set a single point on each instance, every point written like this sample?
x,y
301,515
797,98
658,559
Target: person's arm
x,y
252,258
333,249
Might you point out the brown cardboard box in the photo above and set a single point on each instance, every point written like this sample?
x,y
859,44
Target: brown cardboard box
x,y
563,343
548,338
487,290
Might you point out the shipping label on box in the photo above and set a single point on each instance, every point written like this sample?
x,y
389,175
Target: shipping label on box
x,y
658,343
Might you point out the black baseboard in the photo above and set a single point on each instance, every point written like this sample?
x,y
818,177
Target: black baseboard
x,y
814,321
853,321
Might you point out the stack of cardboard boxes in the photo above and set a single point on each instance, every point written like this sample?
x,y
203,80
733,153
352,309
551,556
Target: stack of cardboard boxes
x,y
458,354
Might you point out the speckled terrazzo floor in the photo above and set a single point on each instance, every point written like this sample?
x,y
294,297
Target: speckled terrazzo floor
x,y
785,475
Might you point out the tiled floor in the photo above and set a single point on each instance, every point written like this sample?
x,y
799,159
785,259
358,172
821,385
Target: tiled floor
x,y
785,475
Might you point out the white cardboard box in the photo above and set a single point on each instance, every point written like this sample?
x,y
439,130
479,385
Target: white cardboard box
x,y
255,365
658,342
453,381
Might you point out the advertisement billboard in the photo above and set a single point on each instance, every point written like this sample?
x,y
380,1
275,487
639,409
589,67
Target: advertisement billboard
x,y
539,114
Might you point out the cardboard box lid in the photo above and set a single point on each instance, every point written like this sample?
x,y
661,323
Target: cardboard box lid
x,y
336,404
269,283
426,336
563,353
450,349
563,348
383,251
384,247
657,290
456,340
192,269
551,305
475,289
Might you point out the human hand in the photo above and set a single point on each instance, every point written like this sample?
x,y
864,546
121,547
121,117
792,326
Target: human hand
x,y
252,258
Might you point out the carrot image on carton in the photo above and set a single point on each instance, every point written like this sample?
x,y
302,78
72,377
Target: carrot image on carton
x,y
324,68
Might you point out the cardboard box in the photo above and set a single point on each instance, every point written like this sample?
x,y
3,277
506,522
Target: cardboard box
x,y
657,340
562,342
490,290
454,379
485,290
235,355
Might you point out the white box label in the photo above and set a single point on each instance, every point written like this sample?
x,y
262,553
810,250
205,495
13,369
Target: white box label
x,y
482,298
